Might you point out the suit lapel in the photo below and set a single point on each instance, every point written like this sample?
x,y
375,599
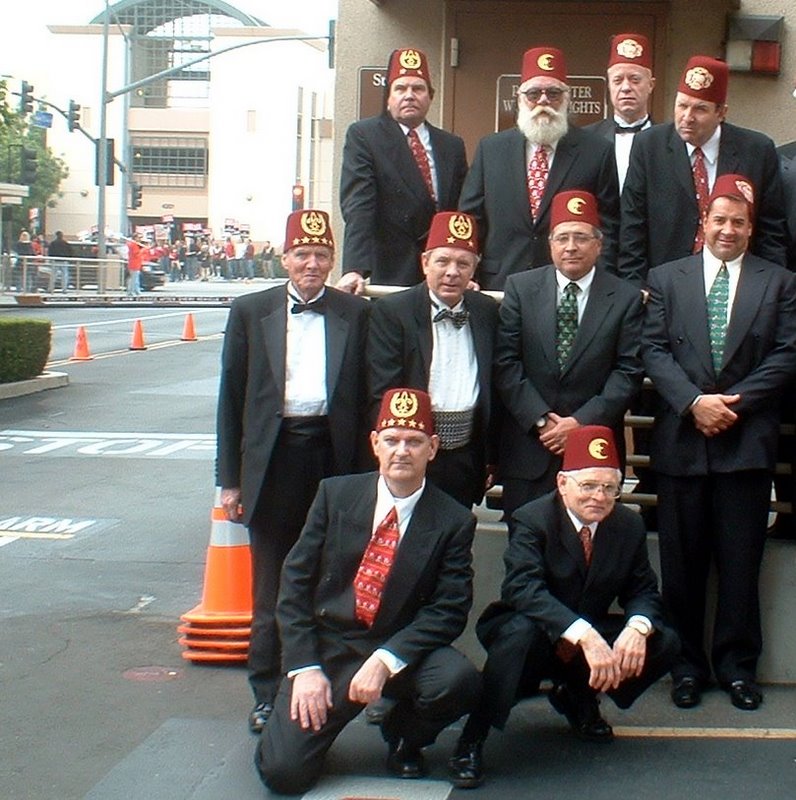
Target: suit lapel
x,y
443,166
274,344
482,343
544,309
694,309
569,539
398,154
515,177
598,307
681,166
729,157
336,336
565,156
422,314
748,298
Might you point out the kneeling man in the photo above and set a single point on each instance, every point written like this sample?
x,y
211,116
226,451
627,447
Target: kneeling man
x,y
373,593
574,552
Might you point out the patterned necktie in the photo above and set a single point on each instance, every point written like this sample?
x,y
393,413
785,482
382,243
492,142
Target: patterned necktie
x,y
538,171
421,159
585,539
717,315
567,322
375,568
700,173
458,318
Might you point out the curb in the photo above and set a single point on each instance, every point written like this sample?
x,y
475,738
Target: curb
x,y
47,380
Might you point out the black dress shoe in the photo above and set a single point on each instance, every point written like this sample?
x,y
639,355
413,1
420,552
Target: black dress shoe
x,y
466,765
583,714
259,716
745,695
687,692
405,761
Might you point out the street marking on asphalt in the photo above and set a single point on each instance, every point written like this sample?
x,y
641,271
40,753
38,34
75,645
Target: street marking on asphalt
x,y
705,733
112,444
40,528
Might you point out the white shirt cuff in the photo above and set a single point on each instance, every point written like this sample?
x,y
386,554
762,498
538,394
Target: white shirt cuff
x,y
576,631
392,662
309,668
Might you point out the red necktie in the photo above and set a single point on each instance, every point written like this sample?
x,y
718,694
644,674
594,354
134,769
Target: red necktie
x,y
538,170
375,568
701,188
585,540
421,159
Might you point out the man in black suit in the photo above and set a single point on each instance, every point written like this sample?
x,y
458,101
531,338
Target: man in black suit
x,y
290,405
719,344
398,170
372,595
440,337
630,85
787,160
662,205
516,173
574,554
567,352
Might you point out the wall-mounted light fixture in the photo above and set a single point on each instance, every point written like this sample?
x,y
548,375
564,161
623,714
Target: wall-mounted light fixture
x,y
754,43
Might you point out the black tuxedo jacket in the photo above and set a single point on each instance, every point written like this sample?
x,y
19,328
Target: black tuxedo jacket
x,y
385,203
596,385
252,389
788,169
659,209
759,360
427,596
400,345
496,194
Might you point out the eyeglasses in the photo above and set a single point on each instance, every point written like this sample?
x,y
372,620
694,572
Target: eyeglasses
x,y
535,95
578,239
591,488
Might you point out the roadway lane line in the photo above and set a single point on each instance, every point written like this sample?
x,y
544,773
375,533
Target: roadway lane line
x,y
704,733
129,320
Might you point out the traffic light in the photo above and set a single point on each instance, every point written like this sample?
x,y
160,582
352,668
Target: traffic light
x,y
136,196
29,167
298,197
73,117
26,98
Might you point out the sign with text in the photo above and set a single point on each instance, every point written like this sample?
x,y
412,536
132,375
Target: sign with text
x,y
587,100
372,81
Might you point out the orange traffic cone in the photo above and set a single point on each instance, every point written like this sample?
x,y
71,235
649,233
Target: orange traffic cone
x,y
218,629
81,352
138,336
188,332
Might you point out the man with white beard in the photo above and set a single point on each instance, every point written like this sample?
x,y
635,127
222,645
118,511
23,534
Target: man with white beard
x,y
517,172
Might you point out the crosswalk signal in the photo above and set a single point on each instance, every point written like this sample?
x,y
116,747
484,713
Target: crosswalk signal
x,y
73,116
136,196
26,98
298,197
29,166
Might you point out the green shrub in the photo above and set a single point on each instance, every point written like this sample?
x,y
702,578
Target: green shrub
x,y
24,348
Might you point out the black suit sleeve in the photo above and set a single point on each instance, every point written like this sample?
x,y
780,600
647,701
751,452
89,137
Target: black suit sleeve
x,y
770,235
633,258
385,355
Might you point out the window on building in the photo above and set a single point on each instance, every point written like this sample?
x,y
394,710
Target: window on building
x,y
169,161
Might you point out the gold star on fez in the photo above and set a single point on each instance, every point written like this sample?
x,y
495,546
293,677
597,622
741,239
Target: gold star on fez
x,y
412,423
402,423
296,241
451,240
421,425
305,239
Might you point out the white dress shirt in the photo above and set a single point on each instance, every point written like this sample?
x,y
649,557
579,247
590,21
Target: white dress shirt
x,y
305,361
710,150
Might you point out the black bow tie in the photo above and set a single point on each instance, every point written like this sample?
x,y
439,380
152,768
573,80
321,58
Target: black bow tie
x,y
298,307
458,318
631,128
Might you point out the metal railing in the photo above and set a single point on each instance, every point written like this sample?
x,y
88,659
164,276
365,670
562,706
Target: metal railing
x,y
47,274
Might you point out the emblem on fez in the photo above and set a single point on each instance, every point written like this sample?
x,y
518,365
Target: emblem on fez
x,y
746,190
698,78
410,59
403,405
460,226
629,48
545,62
597,449
313,223
575,205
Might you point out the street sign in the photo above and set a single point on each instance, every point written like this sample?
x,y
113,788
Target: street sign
x,y
10,201
42,119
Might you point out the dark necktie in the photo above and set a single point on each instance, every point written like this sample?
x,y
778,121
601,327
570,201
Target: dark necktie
x,y
584,534
421,159
299,307
458,318
701,191
567,322
718,297
374,569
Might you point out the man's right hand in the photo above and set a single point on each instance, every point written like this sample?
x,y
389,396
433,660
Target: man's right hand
x,y
602,660
310,699
712,413
230,502
351,282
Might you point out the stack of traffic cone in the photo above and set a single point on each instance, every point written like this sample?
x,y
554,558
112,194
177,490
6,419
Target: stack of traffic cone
x,y
81,352
219,628
188,331
138,337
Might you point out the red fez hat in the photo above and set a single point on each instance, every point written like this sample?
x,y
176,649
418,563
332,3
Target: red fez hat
x,y
309,226
576,205
406,408
590,446
408,62
630,48
705,78
453,229
739,187
544,61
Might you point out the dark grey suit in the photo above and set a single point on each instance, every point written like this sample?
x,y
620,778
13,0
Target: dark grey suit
x,y
424,608
385,203
496,194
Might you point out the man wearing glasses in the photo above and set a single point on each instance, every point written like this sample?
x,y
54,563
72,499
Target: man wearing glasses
x,y
574,553
517,172
567,352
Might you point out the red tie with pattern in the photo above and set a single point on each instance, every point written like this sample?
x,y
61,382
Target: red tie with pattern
x,y
421,159
375,568
701,188
585,540
538,170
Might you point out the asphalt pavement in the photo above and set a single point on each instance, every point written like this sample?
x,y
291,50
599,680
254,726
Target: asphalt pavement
x,y
104,522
